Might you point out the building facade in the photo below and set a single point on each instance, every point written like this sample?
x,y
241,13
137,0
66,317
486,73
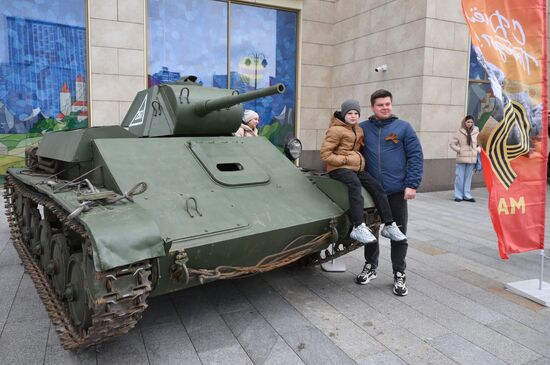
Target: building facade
x,y
424,44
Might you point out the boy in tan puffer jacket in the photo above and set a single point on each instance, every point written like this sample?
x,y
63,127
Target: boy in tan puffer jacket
x,y
340,150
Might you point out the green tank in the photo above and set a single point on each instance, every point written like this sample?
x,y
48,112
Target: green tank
x,y
104,218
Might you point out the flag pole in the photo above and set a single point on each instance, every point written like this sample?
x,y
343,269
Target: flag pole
x,y
541,268
529,289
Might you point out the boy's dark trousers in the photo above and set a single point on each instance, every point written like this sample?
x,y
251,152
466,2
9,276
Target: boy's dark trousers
x,y
398,207
354,180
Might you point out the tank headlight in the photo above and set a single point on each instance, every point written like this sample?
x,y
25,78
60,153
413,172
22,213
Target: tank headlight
x,y
293,149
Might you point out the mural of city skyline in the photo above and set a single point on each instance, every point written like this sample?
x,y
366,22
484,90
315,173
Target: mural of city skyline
x,y
42,73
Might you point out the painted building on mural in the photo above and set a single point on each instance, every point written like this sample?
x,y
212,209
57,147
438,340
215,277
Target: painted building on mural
x,y
42,56
77,107
324,51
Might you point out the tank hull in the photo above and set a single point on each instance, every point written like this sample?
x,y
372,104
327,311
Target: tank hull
x,y
219,218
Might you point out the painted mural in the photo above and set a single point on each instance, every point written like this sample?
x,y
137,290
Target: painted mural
x,y
262,45
42,73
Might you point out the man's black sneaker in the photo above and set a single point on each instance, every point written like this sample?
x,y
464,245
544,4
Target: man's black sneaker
x,y
368,274
399,286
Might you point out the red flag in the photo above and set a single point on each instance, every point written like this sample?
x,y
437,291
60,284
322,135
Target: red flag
x,y
509,38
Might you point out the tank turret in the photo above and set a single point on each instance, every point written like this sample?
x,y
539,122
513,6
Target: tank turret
x,y
187,109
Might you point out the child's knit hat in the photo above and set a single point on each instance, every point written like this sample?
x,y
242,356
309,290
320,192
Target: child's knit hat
x,y
249,115
350,104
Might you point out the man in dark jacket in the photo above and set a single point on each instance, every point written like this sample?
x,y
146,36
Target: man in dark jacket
x,y
394,157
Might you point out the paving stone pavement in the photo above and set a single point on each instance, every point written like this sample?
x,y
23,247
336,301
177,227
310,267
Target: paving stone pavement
x,y
457,310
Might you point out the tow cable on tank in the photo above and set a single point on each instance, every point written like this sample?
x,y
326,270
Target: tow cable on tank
x,y
268,263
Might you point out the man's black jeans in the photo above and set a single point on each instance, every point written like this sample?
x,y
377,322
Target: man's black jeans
x,y
398,207
354,180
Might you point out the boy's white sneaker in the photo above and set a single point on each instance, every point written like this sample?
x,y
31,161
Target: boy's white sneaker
x,y
362,234
393,232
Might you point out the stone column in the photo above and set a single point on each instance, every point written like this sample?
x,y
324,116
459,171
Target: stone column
x,y
117,57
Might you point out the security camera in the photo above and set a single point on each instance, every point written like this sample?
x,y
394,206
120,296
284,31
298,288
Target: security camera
x,y
381,68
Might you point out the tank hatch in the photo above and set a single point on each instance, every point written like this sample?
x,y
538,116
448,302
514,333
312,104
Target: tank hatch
x,y
228,163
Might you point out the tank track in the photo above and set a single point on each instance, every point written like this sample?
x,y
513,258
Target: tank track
x,y
114,313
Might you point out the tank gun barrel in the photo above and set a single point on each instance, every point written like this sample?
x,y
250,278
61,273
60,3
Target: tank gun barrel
x,y
204,107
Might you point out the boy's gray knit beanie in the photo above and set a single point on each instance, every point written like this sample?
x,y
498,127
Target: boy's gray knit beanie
x,y
348,105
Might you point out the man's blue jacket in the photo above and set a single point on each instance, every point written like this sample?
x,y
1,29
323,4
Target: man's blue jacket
x,y
393,153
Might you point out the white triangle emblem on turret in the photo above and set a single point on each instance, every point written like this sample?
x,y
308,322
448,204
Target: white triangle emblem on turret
x,y
140,115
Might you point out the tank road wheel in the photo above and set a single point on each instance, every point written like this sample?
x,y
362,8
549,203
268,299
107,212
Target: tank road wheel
x,y
58,264
29,207
35,228
18,202
75,293
52,219
44,248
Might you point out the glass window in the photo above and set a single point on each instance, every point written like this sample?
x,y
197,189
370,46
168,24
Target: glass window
x,y
187,37
261,44
263,53
481,100
42,73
